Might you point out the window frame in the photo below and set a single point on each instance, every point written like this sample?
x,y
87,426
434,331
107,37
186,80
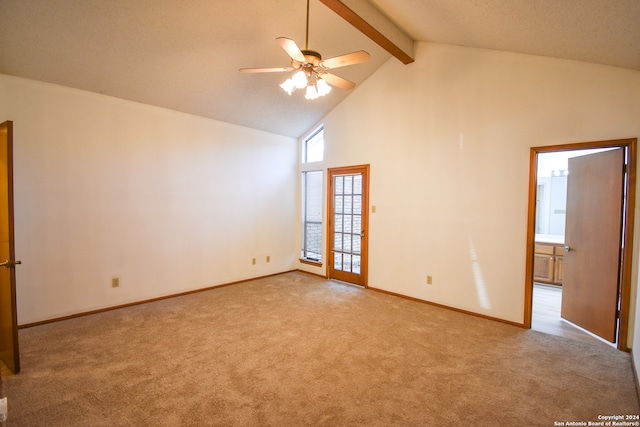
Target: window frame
x,y
304,250
306,167
305,145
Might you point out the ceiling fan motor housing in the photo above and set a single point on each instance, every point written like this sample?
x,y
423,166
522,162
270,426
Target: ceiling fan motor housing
x,y
312,57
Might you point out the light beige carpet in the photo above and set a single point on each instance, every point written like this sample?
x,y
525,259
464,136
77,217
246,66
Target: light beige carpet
x,y
296,350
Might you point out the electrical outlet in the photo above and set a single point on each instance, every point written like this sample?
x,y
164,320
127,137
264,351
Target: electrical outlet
x,y
429,280
268,258
253,261
115,282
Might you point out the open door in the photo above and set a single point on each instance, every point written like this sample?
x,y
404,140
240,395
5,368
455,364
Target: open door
x,y
348,192
9,354
593,236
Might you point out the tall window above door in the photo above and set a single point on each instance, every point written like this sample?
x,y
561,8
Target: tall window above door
x,y
313,146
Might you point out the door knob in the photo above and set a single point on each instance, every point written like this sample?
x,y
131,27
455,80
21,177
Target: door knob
x,y
566,248
10,264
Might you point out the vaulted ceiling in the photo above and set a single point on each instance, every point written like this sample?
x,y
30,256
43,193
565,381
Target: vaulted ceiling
x,y
185,55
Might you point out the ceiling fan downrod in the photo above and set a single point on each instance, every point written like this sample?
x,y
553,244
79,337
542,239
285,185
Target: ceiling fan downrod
x,y
306,42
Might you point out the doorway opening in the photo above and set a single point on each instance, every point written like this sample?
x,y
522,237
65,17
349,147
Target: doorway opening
x,y
550,222
551,257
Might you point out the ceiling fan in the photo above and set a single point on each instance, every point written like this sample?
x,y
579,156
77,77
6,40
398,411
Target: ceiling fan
x,y
312,72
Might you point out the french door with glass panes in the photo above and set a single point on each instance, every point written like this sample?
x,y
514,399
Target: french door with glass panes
x,y
348,194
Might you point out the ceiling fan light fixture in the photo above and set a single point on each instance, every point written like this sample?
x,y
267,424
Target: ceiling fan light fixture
x,y
288,86
299,79
322,87
316,87
312,93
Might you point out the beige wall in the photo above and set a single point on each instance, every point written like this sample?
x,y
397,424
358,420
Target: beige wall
x,y
166,201
448,139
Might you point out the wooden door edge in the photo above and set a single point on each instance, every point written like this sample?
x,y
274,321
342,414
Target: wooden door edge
x,y
628,244
15,366
531,228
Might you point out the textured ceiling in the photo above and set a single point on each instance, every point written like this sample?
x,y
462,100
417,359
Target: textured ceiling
x,y
185,55
182,55
601,31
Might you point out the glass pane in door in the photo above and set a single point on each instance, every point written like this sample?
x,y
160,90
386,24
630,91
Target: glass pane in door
x,y
347,204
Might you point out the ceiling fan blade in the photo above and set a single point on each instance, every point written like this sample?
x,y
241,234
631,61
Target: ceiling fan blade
x,y
292,49
266,70
344,60
336,81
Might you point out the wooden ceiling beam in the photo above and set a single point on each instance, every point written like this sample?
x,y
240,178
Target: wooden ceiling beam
x,y
371,22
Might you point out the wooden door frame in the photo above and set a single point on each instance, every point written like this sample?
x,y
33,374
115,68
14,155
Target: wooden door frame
x,y
15,366
364,248
630,145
